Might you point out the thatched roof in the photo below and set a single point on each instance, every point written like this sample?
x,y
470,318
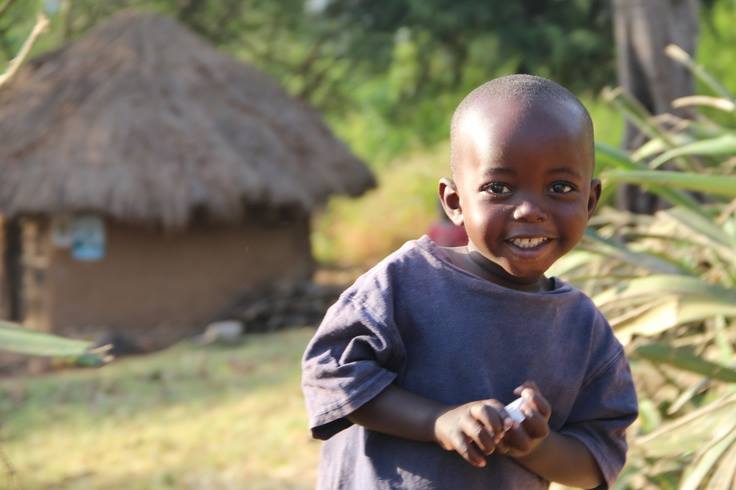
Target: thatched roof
x,y
143,121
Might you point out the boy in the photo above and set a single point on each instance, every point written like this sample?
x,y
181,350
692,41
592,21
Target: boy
x,y
408,374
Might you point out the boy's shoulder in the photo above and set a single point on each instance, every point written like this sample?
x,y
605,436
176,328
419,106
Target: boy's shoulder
x,y
411,254
414,259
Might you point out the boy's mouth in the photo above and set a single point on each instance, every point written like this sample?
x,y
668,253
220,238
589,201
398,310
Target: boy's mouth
x,y
528,242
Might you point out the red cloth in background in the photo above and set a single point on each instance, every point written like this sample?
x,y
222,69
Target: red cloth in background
x,y
446,234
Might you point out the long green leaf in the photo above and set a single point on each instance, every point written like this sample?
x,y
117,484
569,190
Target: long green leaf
x,y
636,113
722,145
572,261
614,249
663,284
698,472
722,340
722,185
701,228
704,231
27,341
724,478
685,359
688,433
697,425
657,146
681,56
15,338
610,157
657,317
719,103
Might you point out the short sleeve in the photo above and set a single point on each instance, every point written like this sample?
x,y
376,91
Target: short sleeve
x,y
355,354
605,406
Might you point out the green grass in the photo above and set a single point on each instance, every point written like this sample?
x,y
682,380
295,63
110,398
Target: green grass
x,y
189,417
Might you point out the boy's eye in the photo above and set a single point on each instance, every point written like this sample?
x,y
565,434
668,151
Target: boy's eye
x,y
497,188
561,188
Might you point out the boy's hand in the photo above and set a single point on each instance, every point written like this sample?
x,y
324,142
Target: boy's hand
x,y
524,438
473,430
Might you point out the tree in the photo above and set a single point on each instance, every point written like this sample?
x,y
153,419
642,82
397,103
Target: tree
x,y
40,26
643,29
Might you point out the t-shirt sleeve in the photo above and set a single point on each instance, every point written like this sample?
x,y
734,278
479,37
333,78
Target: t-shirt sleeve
x,y
605,406
355,354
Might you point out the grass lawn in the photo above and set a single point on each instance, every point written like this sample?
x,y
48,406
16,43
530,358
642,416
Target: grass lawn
x,y
189,417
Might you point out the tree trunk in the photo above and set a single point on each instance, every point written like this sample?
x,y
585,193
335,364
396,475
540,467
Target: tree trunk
x,y
643,28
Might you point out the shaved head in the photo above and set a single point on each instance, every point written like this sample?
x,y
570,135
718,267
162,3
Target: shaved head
x,y
527,94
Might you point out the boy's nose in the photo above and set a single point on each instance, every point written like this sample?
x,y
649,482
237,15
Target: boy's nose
x,y
529,212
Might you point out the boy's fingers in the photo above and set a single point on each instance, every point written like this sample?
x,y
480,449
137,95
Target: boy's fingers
x,y
539,403
517,438
465,448
476,432
488,415
531,394
535,426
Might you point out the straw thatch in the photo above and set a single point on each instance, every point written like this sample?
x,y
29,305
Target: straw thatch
x,y
143,121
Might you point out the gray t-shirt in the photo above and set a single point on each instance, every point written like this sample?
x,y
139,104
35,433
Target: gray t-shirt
x,y
419,321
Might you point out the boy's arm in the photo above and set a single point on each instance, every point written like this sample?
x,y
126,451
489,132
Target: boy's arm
x,y
551,455
472,430
565,460
401,413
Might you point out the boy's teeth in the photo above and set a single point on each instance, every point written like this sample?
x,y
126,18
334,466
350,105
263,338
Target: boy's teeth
x,y
528,242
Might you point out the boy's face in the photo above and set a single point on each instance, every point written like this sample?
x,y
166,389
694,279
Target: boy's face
x,y
523,187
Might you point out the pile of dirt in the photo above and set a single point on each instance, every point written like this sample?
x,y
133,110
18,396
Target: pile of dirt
x,y
278,308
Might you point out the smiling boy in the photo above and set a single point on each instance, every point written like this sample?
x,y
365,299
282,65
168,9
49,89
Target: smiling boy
x,y
407,376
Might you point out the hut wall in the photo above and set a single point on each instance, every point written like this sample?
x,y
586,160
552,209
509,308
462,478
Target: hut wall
x,y
34,296
172,283
5,285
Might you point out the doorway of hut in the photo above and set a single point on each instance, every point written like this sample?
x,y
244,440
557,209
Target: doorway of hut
x,y
11,278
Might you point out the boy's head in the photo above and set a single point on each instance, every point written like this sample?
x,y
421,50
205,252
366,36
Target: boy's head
x,y
522,163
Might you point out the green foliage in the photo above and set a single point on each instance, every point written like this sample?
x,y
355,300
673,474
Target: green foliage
x,y
561,39
715,47
15,338
667,283
364,231
386,75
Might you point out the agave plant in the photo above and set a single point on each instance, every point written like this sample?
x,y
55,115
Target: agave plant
x,y
20,340
667,284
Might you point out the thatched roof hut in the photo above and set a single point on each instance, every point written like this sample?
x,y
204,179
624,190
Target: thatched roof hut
x,y
201,170
144,122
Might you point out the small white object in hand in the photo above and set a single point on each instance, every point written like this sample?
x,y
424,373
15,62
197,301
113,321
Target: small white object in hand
x,y
514,410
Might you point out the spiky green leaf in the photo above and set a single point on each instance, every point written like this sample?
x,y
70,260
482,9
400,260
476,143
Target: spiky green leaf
x,y
721,145
612,248
697,473
667,284
722,185
661,315
15,338
685,359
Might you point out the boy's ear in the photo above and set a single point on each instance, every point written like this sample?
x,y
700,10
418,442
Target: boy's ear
x,y
595,194
450,200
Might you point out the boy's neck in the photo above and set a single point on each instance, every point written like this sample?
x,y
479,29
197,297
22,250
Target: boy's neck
x,y
473,262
